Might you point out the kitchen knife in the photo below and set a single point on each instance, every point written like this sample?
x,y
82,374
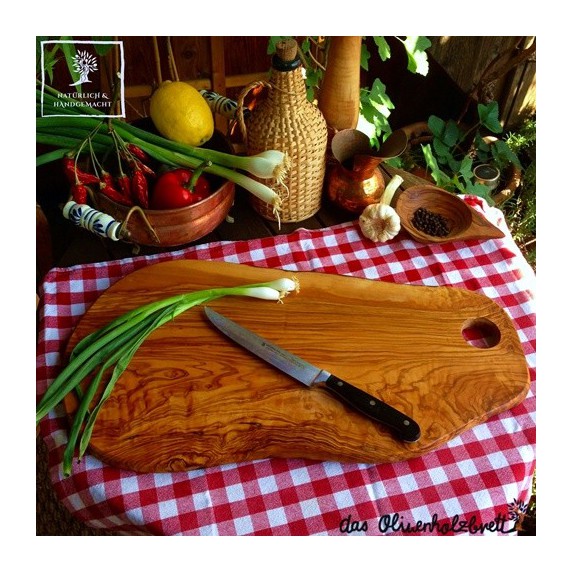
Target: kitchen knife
x,y
401,425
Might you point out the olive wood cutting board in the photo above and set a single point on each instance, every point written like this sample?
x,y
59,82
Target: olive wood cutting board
x,y
192,398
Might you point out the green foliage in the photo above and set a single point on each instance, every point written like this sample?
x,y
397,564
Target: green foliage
x,y
375,104
520,210
416,47
383,47
454,153
273,41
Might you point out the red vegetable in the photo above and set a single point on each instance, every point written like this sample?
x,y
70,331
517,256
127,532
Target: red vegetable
x,y
124,186
139,189
137,164
138,152
115,195
174,189
80,193
107,179
75,175
106,186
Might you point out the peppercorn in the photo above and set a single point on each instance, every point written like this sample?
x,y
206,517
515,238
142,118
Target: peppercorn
x,y
430,223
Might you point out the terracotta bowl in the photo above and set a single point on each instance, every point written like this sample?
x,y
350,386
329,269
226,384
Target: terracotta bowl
x,y
175,227
463,221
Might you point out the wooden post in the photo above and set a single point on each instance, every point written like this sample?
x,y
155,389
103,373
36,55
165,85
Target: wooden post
x,y
218,76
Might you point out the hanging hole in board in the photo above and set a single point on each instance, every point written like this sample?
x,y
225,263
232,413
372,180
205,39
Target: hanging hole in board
x,y
481,333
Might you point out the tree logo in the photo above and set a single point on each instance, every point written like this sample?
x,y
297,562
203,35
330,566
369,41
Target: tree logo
x,y
66,60
84,63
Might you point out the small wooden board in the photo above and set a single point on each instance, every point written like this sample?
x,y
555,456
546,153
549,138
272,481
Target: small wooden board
x,y
191,398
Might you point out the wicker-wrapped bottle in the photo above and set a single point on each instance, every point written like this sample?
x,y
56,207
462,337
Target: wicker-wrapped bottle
x,y
286,121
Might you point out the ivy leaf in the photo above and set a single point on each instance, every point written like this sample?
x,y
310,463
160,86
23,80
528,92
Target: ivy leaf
x,y
364,57
438,175
436,125
503,154
383,47
313,78
446,137
489,116
416,47
452,133
273,41
380,98
465,169
484,155
454,165
375,106
479,190
442,150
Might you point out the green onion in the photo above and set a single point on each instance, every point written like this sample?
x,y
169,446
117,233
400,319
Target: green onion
x,y
68,130
113,346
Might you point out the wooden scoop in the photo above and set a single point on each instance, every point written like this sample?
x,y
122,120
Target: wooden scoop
x,y
463,221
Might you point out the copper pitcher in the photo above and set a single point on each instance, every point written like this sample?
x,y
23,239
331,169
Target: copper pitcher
x,y
355,180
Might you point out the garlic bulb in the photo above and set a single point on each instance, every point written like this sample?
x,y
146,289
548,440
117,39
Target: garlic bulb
x,y
379,222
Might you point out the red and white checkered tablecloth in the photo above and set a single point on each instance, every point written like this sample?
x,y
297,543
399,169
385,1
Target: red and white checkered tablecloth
x,y
473,485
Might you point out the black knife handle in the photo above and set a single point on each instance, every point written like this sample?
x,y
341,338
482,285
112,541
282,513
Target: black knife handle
x,y
403,427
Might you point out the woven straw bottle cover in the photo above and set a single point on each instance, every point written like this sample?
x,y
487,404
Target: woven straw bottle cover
x,y
286,121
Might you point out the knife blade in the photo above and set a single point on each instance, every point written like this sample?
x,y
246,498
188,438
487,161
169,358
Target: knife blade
x,y
402,426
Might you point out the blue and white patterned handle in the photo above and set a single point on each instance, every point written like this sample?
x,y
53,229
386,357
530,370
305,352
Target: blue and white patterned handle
x,y
93,220
220,104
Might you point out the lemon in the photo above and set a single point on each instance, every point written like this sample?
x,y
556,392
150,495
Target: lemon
x,y
180,113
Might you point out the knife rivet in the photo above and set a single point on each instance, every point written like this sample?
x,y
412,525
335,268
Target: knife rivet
x,y
339,383
372,402
406,422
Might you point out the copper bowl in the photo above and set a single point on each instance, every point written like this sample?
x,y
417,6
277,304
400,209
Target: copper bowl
x,y
175,227
463,221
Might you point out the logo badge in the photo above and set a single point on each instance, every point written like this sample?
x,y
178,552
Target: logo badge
x,y
81,64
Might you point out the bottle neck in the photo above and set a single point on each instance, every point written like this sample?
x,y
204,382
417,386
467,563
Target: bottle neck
x,y
285,66
288,88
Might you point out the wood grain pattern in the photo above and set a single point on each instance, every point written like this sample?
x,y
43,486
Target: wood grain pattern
x,y
191,398
339,94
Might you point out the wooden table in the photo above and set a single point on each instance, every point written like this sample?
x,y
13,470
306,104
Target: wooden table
x,y
481,479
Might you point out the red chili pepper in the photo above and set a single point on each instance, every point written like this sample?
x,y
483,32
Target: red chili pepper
x,y
107,178
135,163
80,193
145,168
114,195
138,152
76,175
124,186
139,189
173,189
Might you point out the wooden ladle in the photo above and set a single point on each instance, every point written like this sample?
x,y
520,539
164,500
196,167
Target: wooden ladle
x,y
463,221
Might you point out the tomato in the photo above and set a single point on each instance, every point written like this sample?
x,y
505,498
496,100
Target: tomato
x,y
172,190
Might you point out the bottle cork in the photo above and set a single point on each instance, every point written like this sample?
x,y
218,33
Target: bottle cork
x,y
287,50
